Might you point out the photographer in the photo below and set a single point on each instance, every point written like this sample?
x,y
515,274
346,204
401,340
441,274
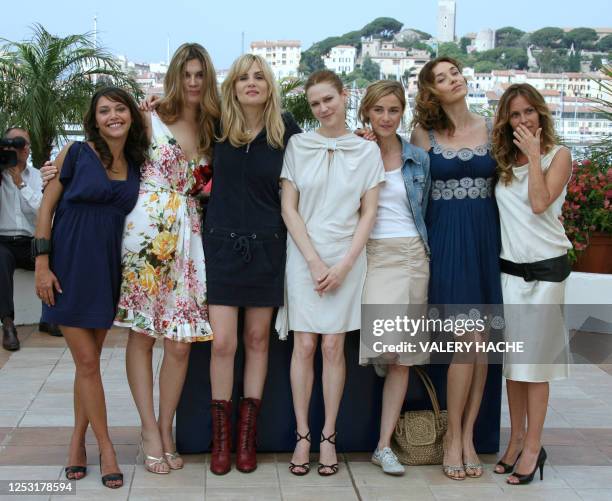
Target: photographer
x,y
20,197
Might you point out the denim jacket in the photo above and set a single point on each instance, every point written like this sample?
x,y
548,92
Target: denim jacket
x,y
417,180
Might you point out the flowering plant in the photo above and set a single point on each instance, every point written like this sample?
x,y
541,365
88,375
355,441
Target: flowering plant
x,y
588,204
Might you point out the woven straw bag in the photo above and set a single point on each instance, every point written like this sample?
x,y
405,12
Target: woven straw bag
x,y
418,435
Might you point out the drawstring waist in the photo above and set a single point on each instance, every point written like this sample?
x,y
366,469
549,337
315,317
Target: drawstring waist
x,y
242,240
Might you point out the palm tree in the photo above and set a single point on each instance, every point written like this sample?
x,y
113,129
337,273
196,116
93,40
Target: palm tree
x,y
293,100
47,82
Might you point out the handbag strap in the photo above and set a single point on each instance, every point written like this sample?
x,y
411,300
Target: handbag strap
x,y
430,390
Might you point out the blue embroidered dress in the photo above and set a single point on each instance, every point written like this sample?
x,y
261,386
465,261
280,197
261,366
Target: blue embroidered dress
x,y
463,226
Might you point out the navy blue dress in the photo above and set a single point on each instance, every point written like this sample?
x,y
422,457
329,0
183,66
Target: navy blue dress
x,y
463,227
86,240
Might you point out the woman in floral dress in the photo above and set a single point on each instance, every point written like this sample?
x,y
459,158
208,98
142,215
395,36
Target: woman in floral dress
x,y
163,290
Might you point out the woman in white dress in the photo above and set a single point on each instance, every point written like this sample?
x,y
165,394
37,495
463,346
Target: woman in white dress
x,y
329,200
533,173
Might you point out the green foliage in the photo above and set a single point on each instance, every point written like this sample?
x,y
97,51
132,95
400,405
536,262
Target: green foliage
x,y
573,62
602,151
310,62
605,44
551,61
418,45
487,66
450,49
370,70
47,82
508,37
547,37
582,38
596,63
422,34
463,43
384,27
293,100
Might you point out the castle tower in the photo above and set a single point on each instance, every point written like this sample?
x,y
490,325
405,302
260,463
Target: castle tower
x,y
446,20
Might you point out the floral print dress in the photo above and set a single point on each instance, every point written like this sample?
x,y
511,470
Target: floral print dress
x,y
163,285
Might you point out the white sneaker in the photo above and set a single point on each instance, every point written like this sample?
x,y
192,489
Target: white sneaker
x,y
388,461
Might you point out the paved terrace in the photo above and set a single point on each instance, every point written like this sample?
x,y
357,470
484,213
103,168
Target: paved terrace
x,y
36,416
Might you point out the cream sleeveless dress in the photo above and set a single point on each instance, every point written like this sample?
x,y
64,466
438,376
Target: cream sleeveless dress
x,y
533,309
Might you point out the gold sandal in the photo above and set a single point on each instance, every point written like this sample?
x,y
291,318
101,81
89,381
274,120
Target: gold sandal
x,y
150,462
449,470
173,456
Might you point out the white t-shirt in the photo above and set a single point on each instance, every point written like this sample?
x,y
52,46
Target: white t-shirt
x,y
394,218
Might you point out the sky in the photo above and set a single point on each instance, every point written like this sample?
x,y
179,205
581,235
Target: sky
x,y
140,29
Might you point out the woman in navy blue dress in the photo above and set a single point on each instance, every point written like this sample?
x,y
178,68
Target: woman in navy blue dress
x,y
463,229
78,263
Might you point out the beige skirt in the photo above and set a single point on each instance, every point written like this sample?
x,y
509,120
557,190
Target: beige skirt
x,y
397,273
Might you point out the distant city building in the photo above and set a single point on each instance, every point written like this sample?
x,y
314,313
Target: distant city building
x,y
341,59
446,20
394,61
485,40
283,56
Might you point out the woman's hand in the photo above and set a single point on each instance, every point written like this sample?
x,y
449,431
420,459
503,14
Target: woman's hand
x,y
334,277
150,103
46,281
47,172
318,272
528,143
366,133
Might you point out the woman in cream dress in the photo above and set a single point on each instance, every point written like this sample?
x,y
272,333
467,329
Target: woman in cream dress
x,y
329,199
533,175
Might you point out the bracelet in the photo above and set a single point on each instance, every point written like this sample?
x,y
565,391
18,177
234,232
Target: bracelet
x,y
40,246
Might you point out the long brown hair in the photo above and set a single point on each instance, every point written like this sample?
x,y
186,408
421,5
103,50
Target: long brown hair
x,y
428,111
136,145
171,104
504,149
233,122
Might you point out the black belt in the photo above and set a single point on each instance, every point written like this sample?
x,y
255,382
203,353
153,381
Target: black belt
x,y
555,269
16,238
242,240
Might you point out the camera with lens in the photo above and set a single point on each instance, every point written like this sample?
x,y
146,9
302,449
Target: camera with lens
x,y
8,157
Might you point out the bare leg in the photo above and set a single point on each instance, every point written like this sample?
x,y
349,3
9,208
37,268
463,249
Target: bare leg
x,y
171,380
77,455
224,322
517,404
458,382
472,408
84,348
537,403
334,374
394,393
139,367
302,376
256,343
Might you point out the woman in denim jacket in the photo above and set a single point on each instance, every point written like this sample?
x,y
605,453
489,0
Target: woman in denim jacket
x,y
397,251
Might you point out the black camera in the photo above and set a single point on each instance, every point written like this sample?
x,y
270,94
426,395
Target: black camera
x,y
8,158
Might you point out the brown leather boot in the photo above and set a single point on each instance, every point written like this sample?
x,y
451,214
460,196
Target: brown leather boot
x,y
220,458
246,458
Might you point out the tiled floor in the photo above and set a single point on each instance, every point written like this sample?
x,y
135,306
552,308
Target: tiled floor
x,y
36,416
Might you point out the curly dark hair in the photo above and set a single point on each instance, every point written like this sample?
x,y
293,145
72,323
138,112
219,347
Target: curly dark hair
x,y
428,112
137,143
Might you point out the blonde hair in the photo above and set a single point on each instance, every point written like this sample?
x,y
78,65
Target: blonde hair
x,y
428,111
504,150
173,101
377,91
233,122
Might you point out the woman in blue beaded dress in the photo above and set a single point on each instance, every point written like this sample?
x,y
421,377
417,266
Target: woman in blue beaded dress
x,y
463,228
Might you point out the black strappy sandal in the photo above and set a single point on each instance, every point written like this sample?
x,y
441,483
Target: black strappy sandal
x,y
72,471
111,477
305,467
333,467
